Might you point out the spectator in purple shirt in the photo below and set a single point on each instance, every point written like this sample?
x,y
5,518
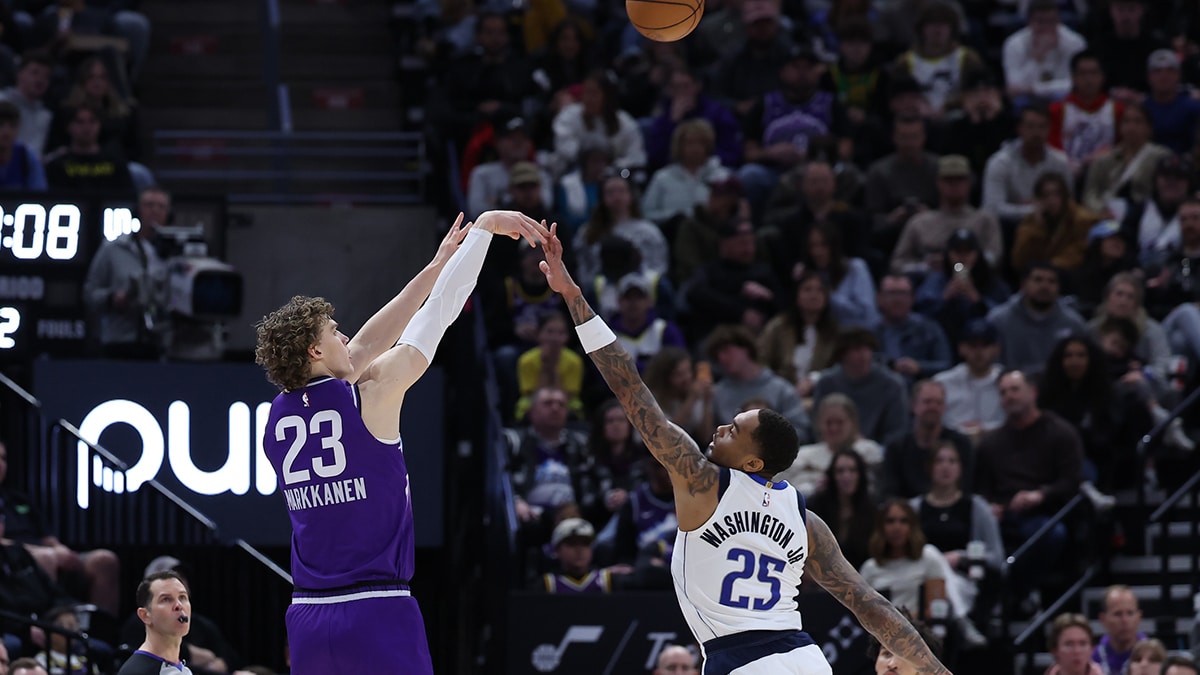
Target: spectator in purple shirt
x,y
1120,618
685,100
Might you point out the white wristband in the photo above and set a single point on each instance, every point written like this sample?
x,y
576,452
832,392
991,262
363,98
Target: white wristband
x,y
595,334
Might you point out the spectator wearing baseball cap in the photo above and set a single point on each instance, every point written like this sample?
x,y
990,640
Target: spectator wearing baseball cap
x,y
794,121
641,331
489,181
572,544
972,397
964,287
1108,253
923,240
1174,114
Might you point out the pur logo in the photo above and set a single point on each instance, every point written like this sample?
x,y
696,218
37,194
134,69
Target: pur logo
x,y
172,443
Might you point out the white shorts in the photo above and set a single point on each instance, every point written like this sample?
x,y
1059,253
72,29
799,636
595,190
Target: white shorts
x,y
808,660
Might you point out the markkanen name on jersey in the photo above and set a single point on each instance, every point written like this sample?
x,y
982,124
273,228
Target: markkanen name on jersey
x,y
753,521
326,494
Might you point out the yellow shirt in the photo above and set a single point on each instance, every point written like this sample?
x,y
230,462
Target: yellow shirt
x,y
570,376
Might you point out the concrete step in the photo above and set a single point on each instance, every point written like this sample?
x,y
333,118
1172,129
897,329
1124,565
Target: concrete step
x,y
312,63
204,93
205,118
166,67
358,41
353,12
1177,531
345,94
346,120
166,12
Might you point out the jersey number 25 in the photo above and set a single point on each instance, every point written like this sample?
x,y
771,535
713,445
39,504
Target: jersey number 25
x,y
765,565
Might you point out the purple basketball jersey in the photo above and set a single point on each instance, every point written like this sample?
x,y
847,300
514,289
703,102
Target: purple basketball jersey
x,y
346,491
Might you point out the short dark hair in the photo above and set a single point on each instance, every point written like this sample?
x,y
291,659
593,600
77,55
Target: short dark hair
x,y
853,338
1125,328
777,441
143,589
73,112
729,334
932,641
1062,623
1036,265
1042,6
39,56
1181,661
55,612
9,113
1086,55
1039,109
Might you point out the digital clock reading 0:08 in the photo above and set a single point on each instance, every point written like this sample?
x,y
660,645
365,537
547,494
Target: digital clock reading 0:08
x,y
34,232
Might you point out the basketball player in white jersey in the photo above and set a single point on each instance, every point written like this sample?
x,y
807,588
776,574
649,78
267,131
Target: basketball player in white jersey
x,y
744,541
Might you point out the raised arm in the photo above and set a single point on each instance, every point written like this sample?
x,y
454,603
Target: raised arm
x,y
386,378
692,474
829,568
381,331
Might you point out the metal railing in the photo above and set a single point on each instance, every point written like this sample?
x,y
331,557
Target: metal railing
x,y
1166,624
148,519
1149,442
1024,642
1039,621
294,166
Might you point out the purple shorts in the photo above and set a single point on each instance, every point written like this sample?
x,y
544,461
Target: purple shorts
x,y
367,631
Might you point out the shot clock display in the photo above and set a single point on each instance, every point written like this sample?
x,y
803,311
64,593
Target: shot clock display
x,y
31,232
46,245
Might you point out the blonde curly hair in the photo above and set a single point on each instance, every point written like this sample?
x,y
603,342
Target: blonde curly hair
x,y
284,337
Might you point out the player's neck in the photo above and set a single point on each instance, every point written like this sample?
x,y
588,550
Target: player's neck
x,y
165,647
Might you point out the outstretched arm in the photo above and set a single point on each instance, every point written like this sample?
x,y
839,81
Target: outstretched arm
x,y
691,473
382,330
829,568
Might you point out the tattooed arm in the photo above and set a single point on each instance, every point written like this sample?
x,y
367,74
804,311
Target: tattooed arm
x,y
692,475
829,568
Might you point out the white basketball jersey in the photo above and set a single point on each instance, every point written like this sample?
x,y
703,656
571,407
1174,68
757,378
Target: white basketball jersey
x,y
741,570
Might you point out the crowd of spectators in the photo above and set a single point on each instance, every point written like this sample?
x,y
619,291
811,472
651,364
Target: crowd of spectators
x,y
953,242
68,110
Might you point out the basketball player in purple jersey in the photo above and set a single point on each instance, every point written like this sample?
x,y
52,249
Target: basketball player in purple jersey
x,y
737,636
333,437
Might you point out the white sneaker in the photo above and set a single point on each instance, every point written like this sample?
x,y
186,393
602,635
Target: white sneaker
x,y
971,637
1177,438
1102,502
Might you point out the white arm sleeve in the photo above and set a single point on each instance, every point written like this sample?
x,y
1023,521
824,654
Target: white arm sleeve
x,y
450,292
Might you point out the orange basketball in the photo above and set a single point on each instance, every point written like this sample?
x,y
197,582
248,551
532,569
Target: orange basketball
x,y
665,20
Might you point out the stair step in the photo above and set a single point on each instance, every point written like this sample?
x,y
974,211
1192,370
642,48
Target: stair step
x,y
311,64
163,67
293,12
1150,564
205,118
1175,530
200,12
201,93
346,120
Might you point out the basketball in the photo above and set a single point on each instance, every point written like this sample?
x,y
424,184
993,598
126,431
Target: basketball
x,y
665,20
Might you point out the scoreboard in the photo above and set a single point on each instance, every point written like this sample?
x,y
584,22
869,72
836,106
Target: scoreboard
x,y
47,242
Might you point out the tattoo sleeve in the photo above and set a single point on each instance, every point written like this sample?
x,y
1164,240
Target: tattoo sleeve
x,y
829,569
669,444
